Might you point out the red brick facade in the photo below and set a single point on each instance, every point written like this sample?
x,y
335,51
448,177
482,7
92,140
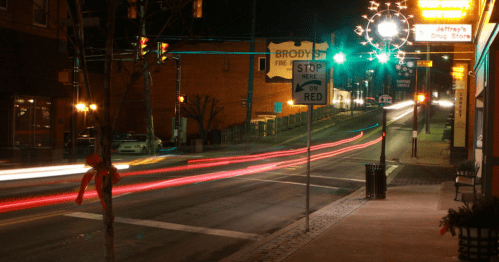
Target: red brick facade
x,y
223,76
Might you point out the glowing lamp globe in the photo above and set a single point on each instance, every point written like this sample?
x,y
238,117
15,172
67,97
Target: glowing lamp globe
x,y
387,29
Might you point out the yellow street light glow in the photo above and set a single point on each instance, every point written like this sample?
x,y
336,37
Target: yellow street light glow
x,y
81,107
93,106
290,102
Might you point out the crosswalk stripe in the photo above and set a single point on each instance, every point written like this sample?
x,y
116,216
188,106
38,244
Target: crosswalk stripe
x,y
170,226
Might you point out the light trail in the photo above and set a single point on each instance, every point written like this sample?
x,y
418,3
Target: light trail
x,y
51,171
39,201
292,152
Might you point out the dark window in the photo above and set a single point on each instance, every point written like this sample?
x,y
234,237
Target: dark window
x,y
40,12
262,64
226,64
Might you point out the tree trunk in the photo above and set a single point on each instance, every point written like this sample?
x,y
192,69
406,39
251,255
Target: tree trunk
x,y
107,186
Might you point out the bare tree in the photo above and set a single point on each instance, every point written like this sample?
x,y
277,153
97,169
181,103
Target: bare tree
x,y
200,107
137,69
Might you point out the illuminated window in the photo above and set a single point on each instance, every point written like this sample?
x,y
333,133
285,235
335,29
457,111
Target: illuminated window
x,y
32,121
40,12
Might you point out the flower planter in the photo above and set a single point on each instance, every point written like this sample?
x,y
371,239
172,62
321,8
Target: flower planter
x,y
477,244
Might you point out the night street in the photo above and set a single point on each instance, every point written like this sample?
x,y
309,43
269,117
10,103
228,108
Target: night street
x,y
201,221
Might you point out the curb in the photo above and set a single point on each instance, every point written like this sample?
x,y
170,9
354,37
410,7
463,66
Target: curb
x,y
283,243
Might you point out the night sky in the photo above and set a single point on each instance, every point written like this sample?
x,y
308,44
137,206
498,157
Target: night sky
x,y
283,18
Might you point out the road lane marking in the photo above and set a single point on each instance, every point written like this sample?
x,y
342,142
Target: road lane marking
x,y
286,182
326,177
18,220
171,226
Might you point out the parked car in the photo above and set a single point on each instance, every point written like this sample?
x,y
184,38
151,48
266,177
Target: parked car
x,y
138,144
118,139
84,146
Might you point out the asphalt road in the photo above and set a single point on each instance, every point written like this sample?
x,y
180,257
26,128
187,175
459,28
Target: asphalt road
x,y
203,221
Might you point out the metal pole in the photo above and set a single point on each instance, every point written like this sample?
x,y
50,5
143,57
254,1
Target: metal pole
x,y
428,91
177,104
76,91
415,128
415,119
276,126
383,140
249,101
309,123
351,103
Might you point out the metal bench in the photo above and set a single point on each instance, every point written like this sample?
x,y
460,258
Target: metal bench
x,y
466,178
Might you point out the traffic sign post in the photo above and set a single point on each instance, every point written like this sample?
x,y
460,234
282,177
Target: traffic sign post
x,y
309,82
309,88
277,110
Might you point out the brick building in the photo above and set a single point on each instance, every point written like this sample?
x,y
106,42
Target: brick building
x,y
32,101
218,69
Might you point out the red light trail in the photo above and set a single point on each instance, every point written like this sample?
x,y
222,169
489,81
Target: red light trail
x,y
39,201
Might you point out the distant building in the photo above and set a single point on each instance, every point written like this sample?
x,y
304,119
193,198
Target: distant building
x,y
219,69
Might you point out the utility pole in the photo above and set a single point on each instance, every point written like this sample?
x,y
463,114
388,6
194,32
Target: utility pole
x,y
147,87
249,102
76,91
415,120
383,139
177,105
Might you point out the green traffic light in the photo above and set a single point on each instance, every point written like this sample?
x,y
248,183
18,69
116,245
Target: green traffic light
x,y
339,58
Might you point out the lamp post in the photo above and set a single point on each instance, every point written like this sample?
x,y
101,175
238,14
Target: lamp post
x,y
84,108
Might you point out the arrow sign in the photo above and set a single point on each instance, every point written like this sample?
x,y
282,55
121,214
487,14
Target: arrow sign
x,y
311,82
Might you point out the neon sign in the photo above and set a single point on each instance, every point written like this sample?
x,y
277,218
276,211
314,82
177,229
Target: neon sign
x,y
447,9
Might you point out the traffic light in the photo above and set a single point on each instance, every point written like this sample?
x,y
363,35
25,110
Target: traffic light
x,y
339,58
197,9
143,46
421,97
182,99
162,49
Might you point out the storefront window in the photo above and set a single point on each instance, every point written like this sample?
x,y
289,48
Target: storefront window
x,y
32,124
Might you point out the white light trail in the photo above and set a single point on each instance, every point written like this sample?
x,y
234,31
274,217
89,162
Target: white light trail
x,y
50,171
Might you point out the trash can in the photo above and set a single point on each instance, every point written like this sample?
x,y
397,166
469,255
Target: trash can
x,y
375,181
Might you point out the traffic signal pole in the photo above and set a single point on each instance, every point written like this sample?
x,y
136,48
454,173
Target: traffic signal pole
x,y
383,139
415,127
177,104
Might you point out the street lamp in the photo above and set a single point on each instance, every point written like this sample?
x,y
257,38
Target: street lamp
x,y
85,108
386,30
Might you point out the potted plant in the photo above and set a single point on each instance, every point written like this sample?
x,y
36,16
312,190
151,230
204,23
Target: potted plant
x,y
478,226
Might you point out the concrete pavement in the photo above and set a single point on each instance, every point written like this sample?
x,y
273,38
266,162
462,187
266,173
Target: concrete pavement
x,y
402,227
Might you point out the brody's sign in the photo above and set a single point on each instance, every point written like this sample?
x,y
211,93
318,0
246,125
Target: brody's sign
x,y
282,56
443,33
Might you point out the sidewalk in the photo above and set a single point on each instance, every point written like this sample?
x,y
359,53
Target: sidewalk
x,y
402,227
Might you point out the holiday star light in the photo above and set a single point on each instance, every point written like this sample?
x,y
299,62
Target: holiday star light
x,y
387,30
